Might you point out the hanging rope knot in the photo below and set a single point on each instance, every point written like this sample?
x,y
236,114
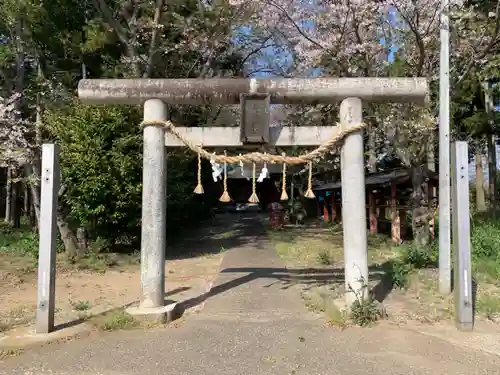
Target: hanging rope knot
x,y
225,195
284,195
199,188
253,198
309,193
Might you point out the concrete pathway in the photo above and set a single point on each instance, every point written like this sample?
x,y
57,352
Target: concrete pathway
x,y
252,323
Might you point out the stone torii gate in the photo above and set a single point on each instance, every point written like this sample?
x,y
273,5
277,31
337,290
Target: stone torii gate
x,y
254,96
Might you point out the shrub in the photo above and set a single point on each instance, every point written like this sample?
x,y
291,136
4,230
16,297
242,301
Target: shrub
x,y
366,311
421,256
485,238
398,274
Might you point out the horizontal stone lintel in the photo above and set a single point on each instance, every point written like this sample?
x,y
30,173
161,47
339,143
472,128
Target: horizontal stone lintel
x,y
229,90
225,137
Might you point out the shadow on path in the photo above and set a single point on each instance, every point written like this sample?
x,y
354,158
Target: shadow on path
x,y
253,262
286,278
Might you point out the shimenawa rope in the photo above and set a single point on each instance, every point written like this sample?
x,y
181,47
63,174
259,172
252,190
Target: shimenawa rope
x,y
256,157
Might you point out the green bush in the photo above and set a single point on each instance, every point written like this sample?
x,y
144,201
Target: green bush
x,y
22,241
421,256
101,165
366,311
398,274
485,238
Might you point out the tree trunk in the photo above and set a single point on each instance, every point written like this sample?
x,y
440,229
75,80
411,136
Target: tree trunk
x,y
81,237
480,199
67,235
26,201
372,157
15,211
32,173
492,172
8,197
420,211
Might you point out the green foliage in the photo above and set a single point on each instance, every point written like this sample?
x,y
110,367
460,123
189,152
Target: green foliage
x,y
413,257
365,312
398,274
115,320
485,239
324,257
101,167
101,164
420,256
18,241
22,241
80,305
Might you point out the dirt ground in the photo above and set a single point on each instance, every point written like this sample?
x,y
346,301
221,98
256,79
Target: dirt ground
x,y
92,289
316,251
89,293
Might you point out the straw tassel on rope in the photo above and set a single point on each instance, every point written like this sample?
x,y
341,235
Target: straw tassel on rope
x,y
284,195
199,188
309,193
225,195
253,198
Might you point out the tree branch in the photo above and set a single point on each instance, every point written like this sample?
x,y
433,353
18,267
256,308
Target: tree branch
x,y
490,45
121,32
154,38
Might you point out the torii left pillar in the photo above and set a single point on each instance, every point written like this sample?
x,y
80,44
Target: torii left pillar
x,y
154,216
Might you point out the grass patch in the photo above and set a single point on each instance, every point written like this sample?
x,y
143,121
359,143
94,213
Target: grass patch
x,y
18,242
17,316
80,305
337,317
19,253
114,320
410,270
7,353
297,247
324,303
324,257
489,305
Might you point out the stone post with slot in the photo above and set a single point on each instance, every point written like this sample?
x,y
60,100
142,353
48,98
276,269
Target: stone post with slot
x,y
254,96
464,299
46,296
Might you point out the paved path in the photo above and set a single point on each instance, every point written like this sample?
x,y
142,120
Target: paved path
x,y
252,324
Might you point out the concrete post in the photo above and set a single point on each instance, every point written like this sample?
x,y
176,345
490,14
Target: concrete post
x,y
154,214
354,203
46,296
464,299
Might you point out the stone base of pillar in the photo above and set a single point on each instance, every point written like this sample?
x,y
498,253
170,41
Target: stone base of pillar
x,y
162,314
